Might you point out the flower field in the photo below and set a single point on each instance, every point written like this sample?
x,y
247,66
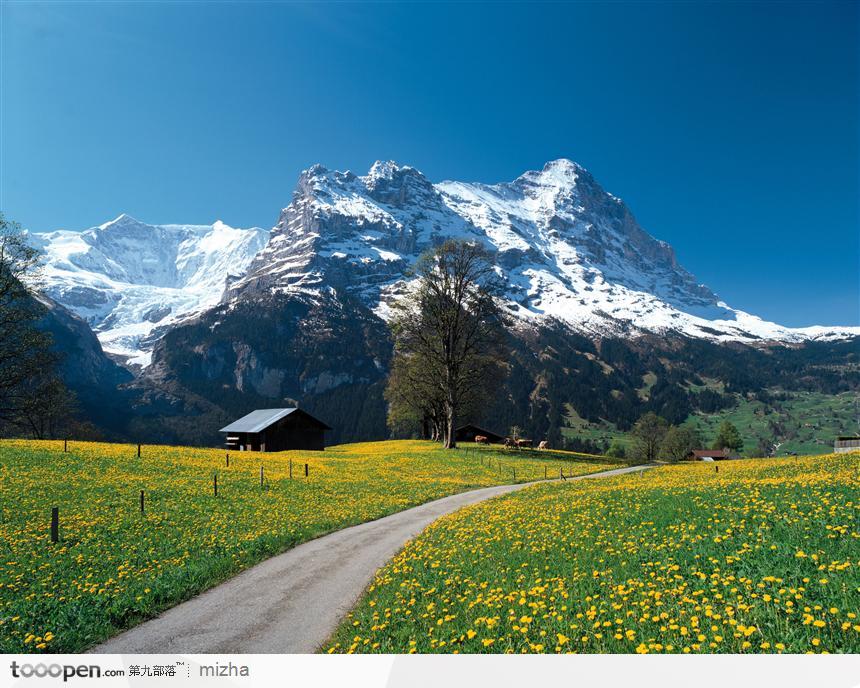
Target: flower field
x,y
114,566
745,556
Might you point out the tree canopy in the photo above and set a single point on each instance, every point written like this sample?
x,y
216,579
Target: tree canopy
x,y
648,433
728,437
32,397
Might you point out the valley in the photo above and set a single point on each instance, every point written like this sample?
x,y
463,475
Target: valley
x,y
210,321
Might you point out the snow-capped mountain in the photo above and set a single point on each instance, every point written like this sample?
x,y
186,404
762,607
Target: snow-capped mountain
x,y
129,279
566,249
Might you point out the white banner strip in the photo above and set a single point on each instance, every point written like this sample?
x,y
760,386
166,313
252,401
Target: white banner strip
x,y
432,671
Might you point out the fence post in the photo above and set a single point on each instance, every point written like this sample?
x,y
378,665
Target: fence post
x,y
141,501
291,469
514,471
228,460
65,445
215,482
138,451
55,524
544,472
261,476
306,470
716,469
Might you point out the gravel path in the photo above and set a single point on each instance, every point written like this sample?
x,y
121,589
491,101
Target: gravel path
x,y
293,602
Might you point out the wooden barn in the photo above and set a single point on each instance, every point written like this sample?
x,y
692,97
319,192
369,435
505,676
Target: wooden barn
x,y
272,430
467,433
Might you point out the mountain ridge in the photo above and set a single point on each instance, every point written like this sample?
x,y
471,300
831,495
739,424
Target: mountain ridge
x,y
566,249
215,321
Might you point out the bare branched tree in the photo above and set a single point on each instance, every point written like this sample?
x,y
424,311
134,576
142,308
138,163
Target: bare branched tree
x,y
448,333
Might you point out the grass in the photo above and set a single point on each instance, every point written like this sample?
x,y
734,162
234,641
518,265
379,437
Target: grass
x,y
761,556
802,422
114,567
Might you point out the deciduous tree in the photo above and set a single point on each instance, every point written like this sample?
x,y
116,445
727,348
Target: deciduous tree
x,y
678,442
648,433
448,332
32,398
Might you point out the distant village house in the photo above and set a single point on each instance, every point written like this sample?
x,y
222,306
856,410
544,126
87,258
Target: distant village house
x,y
843,445
467,433
711,455
271,430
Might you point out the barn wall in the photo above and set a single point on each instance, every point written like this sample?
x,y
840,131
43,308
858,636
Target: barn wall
x,y
295,433
290,438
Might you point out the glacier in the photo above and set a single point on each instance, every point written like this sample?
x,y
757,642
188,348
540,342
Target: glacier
x,y
129,280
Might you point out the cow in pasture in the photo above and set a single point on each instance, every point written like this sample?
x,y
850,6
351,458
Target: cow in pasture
x,y
509,443
524,443
543,444
480,439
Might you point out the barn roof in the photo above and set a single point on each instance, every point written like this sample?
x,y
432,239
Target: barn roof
x,y
699,453
259,420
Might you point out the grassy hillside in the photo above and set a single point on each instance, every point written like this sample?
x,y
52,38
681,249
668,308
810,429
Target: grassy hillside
x,y
758,557
114,566
801,422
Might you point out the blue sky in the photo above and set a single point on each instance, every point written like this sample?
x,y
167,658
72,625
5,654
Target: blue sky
x,y
731,130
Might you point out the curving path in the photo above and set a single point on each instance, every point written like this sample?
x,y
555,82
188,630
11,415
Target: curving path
x,y
293,602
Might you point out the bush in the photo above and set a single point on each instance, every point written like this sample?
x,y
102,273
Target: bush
x,y
616,450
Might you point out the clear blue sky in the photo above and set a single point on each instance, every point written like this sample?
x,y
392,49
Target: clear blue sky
x,y
731,129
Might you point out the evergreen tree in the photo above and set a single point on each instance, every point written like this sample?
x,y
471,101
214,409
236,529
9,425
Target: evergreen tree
x,y
728,437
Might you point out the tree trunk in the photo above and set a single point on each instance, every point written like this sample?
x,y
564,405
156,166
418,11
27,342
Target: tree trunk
x,y
450,440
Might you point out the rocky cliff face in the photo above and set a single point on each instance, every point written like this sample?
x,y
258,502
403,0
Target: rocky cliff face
x,y
566,249
95,379
328,353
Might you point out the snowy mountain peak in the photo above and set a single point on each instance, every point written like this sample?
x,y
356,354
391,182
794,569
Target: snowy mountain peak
x,y
385,169
129,279
567,249
122,219
559,173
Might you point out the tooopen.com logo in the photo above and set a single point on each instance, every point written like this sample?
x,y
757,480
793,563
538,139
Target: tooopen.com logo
x,y
66,671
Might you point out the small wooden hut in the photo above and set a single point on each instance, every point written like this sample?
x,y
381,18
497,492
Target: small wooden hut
x,y
710,455
467,433
272,430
